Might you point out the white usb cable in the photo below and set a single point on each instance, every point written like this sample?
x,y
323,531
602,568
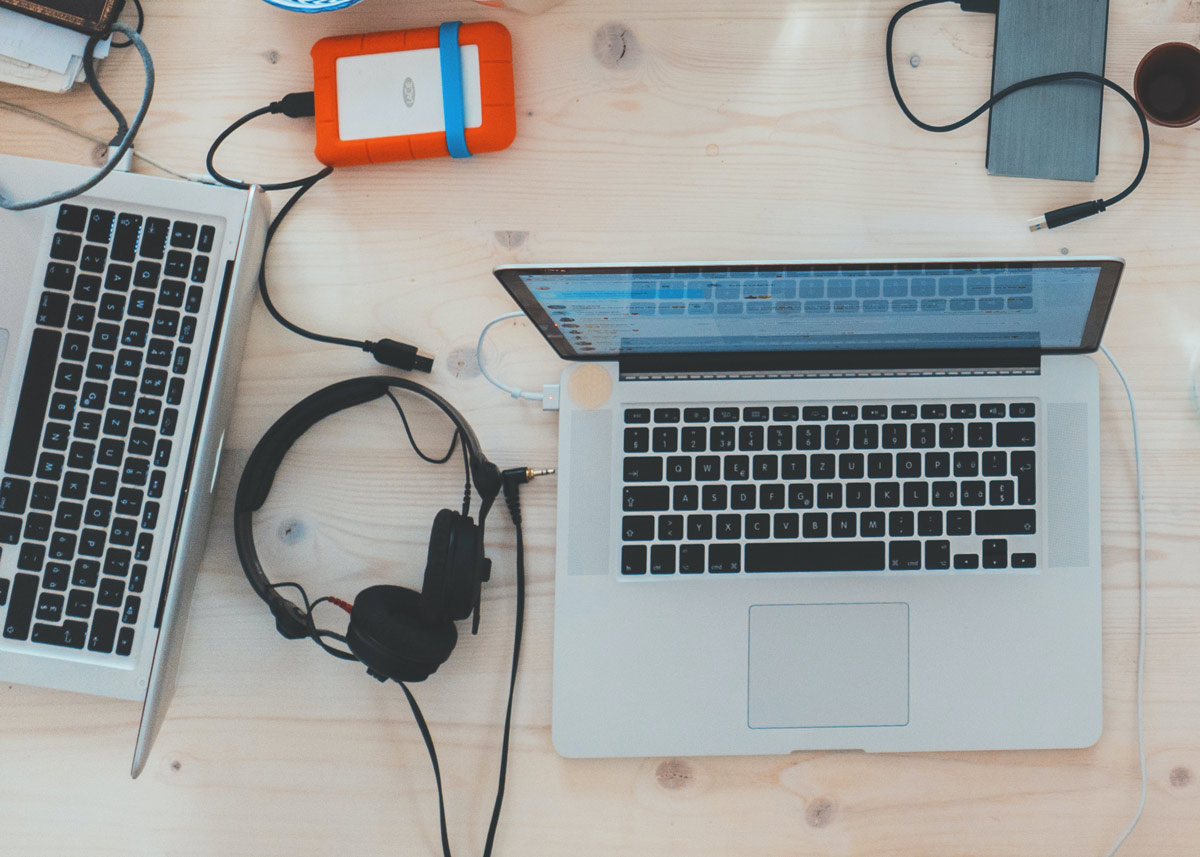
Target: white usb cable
x,y
1141,655
549,395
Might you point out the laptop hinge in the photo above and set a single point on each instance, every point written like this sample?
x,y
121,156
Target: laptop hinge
x,y
859,364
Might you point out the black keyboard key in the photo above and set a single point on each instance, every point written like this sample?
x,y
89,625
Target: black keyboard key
x,y
105,337
72,218
183,234
172,292
742,496
691,559
179,264
966,561
684,498
132,603
103,630
104,481
81,456
118,278
20,607
87,288
1023,560
1001,492
845,412
962,412
111,592
787,525
691,439
972,492
944,493
837,437
207,235
916,494
822,466
815,525
50,607
785,413
901,524
14,495
874,412
887,495
661,415
75,485
908,465
52,310
1015,434
895,436
758,526
715,497
75,347
958,523
866,436
858,495
851,465
815,413
137,577
779,437
122,532
65,247
729,527
129,502
116,422
69,516
929,523
950,435
141,303
125,239
794,467
923,435
808,437
147,411
175,394
726,415
79,603
724,559
1021,410
699,527
979,434
708,468
997,522
122,392
995,553
125,641
904,412
802,556
722,438
1023,469
632,415
933,412
801,495
843,525
756,414
992,411
637,528
665,439
69,376
50,466
146,275
648,498
154,237
872,525
690,415
750,438
154,488
92,541
86,573
904,556
937,554
4,584
69,634
93,259
57,436
966,464
662,561
737,468
133,334
62,407
879,465
995,463
829,495
100,225
637,440
679,467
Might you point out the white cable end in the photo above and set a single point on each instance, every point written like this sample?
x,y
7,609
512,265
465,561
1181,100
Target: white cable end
x,y
126,160
201,178
550,397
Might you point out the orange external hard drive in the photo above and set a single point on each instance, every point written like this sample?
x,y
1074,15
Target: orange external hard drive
x,y
427,93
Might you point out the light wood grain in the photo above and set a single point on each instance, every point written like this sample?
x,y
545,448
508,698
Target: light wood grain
x,y
646,131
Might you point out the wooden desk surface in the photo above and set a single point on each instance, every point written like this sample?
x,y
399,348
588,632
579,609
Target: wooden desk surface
x,y
665,130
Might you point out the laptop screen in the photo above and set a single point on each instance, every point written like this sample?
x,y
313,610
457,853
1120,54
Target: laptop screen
x,y
594,312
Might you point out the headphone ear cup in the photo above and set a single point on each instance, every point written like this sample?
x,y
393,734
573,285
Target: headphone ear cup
x,y
454,568
395,636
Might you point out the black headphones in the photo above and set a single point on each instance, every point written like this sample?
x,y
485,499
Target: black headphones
x,y
395,632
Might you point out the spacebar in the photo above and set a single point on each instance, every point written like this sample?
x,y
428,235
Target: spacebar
x,y
31,406
815,556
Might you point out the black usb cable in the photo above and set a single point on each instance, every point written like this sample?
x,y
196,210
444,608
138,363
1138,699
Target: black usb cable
x,y
1059,216
298,105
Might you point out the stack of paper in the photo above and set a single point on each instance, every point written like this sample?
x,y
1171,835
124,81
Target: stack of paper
x,y
40,54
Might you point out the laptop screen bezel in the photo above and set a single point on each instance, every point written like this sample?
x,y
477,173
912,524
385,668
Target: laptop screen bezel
x,y
512,278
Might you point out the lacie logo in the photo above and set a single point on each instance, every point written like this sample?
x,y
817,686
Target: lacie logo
x,y
410,92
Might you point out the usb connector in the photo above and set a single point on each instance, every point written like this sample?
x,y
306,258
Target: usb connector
x,y
1066,214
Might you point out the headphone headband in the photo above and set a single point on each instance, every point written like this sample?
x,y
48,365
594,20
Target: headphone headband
x,y
264,462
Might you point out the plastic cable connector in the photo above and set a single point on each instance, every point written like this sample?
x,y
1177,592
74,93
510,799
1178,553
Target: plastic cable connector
x,y
550,393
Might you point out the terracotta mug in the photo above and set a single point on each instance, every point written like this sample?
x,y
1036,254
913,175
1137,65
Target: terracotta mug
x,y
1167,84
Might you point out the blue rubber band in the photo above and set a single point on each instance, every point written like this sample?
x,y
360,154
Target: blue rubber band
x,y
452,90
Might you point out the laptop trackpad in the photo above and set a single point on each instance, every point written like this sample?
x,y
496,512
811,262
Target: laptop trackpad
x,y
828,665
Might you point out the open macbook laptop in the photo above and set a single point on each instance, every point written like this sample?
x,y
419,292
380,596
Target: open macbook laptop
x,y
824,505
122,319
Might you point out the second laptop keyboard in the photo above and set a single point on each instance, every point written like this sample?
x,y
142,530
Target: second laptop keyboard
x,y
832,487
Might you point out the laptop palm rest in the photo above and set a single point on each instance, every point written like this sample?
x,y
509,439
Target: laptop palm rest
x,y
828,665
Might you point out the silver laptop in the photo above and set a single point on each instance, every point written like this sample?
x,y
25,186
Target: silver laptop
x,y
843,505
122,320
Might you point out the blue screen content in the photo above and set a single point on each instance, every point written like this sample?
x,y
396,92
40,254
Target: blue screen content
x,y
818,309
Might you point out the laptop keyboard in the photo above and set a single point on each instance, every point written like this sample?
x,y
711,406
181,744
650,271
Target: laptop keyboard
x,y
97,425
908,486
